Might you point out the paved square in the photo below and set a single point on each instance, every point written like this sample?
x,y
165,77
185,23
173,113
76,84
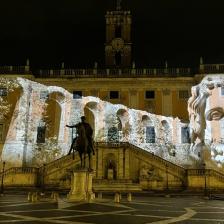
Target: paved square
x,y
142,210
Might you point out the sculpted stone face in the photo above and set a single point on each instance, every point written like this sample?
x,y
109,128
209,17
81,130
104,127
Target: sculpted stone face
x,y
206,113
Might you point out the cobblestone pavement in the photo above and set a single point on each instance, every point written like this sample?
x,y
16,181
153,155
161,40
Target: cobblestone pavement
x,y
142,210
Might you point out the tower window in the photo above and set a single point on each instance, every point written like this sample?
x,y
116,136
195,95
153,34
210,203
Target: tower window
x,y
118,58
118,31
77,94
150,94
3,92
114,95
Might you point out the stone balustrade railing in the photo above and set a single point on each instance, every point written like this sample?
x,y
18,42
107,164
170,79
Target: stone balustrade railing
x,y
16,170
110,72
211,68
55,164
15,70
107,73
205,172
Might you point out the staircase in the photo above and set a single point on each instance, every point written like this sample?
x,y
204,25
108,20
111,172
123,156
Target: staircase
x,y
57,174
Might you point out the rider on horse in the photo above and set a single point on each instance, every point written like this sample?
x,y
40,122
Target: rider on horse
x,y
88,135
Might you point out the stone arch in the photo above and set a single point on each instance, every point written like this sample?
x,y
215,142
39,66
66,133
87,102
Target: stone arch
x,y
52,117
8,121
146,121
123,123
10,147
90,112
110,166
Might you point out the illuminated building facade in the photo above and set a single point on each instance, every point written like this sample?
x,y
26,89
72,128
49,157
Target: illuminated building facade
x,y
149,99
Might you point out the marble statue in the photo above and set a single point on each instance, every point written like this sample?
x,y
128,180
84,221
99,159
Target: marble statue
x,y
206,112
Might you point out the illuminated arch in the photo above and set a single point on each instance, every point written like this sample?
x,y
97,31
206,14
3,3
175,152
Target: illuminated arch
x,y
91,113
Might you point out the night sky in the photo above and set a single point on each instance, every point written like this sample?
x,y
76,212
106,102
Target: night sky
x,y
50,32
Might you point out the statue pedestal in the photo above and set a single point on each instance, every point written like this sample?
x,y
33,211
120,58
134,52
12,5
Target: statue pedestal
x,y
81,186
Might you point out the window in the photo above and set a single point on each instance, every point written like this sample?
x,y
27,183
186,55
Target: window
x,y
114,94
183,94
150,134
44,95
185,135
3,92
41,134
77,94
118,58
150,94
118,31
113,135
222,91
1,132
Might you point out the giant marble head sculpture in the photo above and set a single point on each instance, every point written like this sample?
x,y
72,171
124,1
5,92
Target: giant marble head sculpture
x,y
206,112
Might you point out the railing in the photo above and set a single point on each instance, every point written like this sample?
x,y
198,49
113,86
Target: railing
x,y
15,70
107,181
205,172
212,68
16,170
56,163
113,73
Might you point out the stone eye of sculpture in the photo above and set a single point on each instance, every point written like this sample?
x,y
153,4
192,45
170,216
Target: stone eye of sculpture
x,y
214,114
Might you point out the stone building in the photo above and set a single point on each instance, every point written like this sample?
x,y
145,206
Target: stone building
x,y
132,110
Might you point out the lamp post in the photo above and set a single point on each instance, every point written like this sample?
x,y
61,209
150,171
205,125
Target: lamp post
x,y
167,185
43,173
2,182
205,179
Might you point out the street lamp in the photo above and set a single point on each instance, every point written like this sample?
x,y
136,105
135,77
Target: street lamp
x,y
167,185
2,182
43,173
205,183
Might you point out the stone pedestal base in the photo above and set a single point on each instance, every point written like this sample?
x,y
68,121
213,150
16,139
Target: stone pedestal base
x,y
81,186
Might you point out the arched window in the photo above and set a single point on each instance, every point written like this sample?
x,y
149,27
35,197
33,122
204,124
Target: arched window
x,y
118,31
113,135
118,58
150,134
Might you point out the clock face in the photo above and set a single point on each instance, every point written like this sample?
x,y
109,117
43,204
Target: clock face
x,y
117,44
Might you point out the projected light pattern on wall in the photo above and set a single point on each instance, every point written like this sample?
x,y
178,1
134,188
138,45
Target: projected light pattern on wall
x,y
36,115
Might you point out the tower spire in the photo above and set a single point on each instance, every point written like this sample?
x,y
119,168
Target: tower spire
x,y
118,5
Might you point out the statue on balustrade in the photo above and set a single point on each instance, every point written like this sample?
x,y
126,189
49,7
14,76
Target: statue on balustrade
x,y
206,113
83,142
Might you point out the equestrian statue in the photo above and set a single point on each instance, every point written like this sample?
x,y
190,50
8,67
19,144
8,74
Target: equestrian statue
x,y
83,142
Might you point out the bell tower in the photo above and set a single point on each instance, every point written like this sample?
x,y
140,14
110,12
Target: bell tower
x,y
118,44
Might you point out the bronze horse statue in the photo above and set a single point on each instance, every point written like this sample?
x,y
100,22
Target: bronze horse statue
x,y
83,142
